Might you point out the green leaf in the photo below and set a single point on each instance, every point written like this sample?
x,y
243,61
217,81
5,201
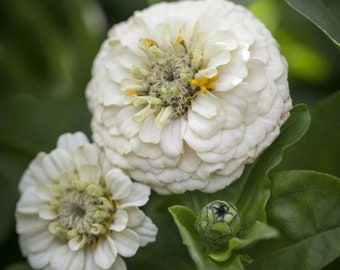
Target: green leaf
x,y
185,219
319,149
304,206
324,14
259,231
18,266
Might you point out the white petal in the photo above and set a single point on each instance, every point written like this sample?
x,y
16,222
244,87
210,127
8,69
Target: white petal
x,y
136,216
206,105
218,54
118,184
86,154
172,138
78,261
76,243
148,150
47,212
230,75
39,241
189,161
89,174
57,162
138,196
149,132
147,232
70,142
64,258
203,127
199,144
34,174
127,242
119,264
105,254
89,263
120,221
124,122
29,223
46,191
40,259
29,202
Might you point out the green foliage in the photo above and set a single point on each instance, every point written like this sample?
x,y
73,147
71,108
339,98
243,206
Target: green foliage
x,y
319,149
18,266
324,14
304,206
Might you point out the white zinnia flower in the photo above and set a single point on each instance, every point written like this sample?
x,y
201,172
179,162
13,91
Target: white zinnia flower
x,y
77,212
185,94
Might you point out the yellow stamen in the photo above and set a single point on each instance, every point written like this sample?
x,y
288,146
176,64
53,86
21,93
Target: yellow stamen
x,y
180,39
132,93
150,42
205,84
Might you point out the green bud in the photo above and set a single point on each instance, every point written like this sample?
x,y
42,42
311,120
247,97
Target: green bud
x,y
218,222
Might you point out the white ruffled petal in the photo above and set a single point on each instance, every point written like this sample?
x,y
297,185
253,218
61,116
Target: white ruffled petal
x,y
57,162
87,154
119,264
172,140
90,174
127,242
29,202
118,184
70,142
136,216
47,212
64,258
120,221
39,260
147,232
138,196
105,254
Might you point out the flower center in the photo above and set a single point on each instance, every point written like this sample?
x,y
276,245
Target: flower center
x,y
84,214
171,80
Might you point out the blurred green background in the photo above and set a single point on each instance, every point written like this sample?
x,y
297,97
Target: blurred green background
x,y
46,52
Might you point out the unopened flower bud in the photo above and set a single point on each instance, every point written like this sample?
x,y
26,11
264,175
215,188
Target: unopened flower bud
x,y
218,222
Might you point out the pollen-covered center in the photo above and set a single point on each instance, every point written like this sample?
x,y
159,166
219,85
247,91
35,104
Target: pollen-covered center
x,y
171,78
84,214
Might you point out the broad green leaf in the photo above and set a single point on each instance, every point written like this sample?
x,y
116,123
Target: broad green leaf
x,y
251,192
319,149
324,14
304,207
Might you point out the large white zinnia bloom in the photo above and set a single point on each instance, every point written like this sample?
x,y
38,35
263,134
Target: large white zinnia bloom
x,y
184,94
77,212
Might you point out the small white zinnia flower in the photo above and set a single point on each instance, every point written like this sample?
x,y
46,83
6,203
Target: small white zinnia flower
x,y
185,94
77,212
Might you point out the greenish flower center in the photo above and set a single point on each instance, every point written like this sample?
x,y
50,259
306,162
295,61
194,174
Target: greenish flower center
x,y
169,80
84,213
